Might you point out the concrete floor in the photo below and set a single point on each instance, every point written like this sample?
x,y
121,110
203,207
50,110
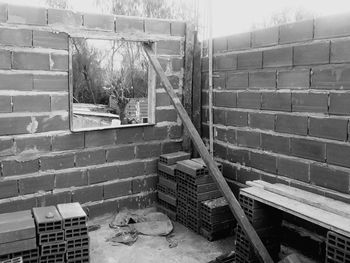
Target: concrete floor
x,y
191,248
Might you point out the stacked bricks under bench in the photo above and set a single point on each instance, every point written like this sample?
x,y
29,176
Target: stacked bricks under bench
x,y
76,233
217,220
51,238
18,237
194,186
337,248
167,186
266,221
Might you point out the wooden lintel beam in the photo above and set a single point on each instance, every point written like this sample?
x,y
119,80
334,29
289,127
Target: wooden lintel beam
x,y
234,205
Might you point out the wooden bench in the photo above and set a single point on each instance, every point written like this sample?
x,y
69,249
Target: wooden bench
x,y
325,212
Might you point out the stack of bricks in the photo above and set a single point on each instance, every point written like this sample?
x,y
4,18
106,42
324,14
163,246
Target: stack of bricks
x,y
167,186
50,234
217,220
266,221
337,248
18,241
76,233
194,186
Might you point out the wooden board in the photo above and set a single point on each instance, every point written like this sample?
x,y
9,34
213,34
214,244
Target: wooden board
x,y
310,213
235,207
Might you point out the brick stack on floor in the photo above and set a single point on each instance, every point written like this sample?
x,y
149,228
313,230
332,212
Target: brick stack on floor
x,y
266,221
167,186
194,186
18,241
76,232
337,248
217,220
52,245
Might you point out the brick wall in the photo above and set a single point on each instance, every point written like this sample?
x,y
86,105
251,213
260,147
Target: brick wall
x,y
42,162
282,105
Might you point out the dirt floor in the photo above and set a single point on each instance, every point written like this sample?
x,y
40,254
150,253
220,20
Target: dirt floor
x,y
191,247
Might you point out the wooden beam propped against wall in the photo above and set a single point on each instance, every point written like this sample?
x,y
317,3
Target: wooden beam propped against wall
x,y
235,207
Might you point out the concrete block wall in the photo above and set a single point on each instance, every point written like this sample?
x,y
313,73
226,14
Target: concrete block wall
x,y
281,105
42,162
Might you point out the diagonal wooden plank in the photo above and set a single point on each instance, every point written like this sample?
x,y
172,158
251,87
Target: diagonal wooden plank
x,y
236,209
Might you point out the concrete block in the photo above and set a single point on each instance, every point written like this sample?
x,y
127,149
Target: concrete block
x,y
100,138
236,80
151,167
5,59
330,178
262,79
238,41
310,102
126,24
296,32
16,37
130,170
275,143
167,162
237,156
166,115
168,47
103,174
5,104
59,62
46,223
293,168
72,214
157,26
225,99
249,100
35,184
123,153
69,179
88,194
219,44
177,64
168,147
70,141
27,15
65,17
92,157
291,124
30,61
50,83
52,123
17,246
178,28
57,161
59,103
33,144
329,128
331,78
278,57
244,175
162,99
293,79
8,189
311,54
20,82
340,51
97,21
225,62
7,147
47,39
219,80
14,167
175,132
220,134
54,198
220,151
155,133
174,81
308,149
332,26
37,103
10,205
249,139
263,162
130,135
249,60
339,104
276,101
117,189
146,184
148,150
237,118
261,121
12,126
265,37
338,154
219,116
231,136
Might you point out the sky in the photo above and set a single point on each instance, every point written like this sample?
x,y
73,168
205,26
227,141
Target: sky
x,y
234,16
